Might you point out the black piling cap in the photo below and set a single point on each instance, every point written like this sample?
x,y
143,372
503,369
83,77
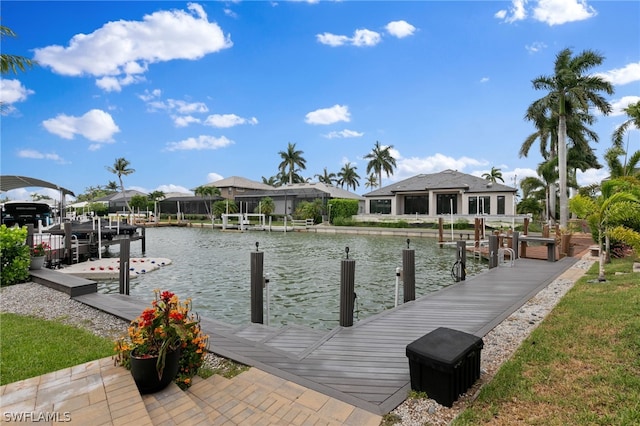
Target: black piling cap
x,y
257,245
346,250
408,241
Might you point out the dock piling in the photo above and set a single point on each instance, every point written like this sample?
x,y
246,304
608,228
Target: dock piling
x,y
409,273
257,285
347,290
123,276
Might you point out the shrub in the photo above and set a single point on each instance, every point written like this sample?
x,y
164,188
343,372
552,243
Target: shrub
x,y
341,207
14,255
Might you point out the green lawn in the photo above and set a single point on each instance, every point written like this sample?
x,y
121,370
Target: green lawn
x,y
581,366
31,346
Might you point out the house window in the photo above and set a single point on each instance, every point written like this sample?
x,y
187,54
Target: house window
x,y
501,204
416,204
479,205
380,206
444,203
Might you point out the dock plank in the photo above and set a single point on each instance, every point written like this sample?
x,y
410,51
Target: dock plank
x,y
365,365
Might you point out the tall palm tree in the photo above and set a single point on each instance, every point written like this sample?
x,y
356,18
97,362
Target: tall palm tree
x,y
372,181
121,168
326,177
112,186
494,175
207,192
290,159
156,196
571,86
348,176
380,159
633,112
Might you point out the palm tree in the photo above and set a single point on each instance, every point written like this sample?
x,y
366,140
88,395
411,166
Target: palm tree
x,y
121,168
617,169
570,87
372,181
633,111
207,191
12,63
618,202
326,178
272,181
112,186
156,196
494,175
348,176
290,159
380,159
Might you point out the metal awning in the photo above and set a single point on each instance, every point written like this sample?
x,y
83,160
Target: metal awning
x,y
7,183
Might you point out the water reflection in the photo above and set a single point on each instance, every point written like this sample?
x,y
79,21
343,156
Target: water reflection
x,y
213,268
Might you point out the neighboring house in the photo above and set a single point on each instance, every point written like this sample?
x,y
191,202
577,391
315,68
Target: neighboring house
x,y
117,201
442,193
234,186
185,204
287,197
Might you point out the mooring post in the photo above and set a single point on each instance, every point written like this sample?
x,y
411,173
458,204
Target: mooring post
x,y
461,261
440,230
515,243
347,290
144,240
409,273
123,276
476,232
257,282
493,251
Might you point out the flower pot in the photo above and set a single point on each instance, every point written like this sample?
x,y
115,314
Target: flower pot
x,y
37,263
145,373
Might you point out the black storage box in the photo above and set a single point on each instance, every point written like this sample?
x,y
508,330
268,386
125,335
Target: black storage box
x,y
444,363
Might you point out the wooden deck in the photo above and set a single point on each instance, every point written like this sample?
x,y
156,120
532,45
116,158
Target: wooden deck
x,y
366,365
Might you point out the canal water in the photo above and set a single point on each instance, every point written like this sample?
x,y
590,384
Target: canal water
x,y
213,268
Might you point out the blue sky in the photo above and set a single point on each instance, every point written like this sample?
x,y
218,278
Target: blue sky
x,y
191,93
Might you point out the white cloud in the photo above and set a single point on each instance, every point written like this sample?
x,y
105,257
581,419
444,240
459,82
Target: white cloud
x,y
484,80
329,115
551,12
628,74
557,12
184,120
120,51
591,176
619,105
346,133
408,167
228,120
515,13
12,91
37,155
400,29
535,47
202,142
171,188
214,177
148,96
332,39
361,37
96,125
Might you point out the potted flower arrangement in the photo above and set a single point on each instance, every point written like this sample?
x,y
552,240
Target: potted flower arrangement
x,y
164,343
38,253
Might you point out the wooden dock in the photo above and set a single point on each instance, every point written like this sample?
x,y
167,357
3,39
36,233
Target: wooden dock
x,y
366,365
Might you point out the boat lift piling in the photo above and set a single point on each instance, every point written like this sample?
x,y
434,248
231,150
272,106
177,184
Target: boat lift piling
x,y
409,273
347,293
257,285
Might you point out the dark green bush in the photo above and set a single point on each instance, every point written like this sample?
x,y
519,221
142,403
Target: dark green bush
x,y
14,255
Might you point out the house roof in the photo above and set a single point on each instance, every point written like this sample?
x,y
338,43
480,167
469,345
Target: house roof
x,y
307,190
239,182
447,179
117,196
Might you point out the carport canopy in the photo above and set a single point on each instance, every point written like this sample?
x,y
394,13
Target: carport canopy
x,y
7,183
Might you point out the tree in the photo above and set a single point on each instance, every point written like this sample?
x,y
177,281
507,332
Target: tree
x,y
224,206
617,169
633,112
570,87
207,192
12,63
139,202
619,202
272,181
156,196
121,168
112,186
348,176
372,181
326,178
266,206
494,175
380,159
290,159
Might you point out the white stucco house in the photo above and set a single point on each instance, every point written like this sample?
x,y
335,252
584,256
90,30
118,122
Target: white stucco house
x,y
447,192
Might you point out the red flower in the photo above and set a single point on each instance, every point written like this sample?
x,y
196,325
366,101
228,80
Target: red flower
x,y
166,296
175,315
